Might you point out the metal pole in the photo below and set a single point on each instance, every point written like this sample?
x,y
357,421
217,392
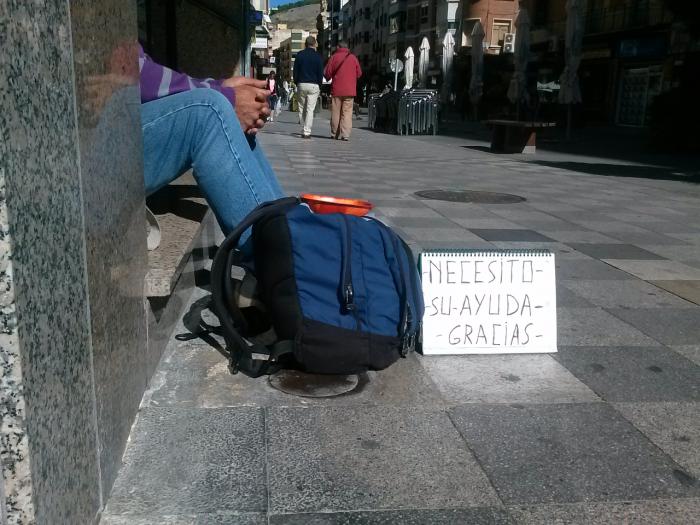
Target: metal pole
x,y
396,73
245,52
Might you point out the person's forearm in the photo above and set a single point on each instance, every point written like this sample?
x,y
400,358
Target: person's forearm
x,y
158,81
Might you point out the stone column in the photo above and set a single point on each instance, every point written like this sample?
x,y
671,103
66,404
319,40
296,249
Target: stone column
x,y
72,254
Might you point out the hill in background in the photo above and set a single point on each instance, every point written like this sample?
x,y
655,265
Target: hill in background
x,y
300,17
299,3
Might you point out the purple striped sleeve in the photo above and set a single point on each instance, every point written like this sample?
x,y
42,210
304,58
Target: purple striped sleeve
x,y
158,81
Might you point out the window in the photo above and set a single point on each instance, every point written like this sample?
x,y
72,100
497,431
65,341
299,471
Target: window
x,y
424,14
467,28
366,13
394,24
500,29
366,37
411,19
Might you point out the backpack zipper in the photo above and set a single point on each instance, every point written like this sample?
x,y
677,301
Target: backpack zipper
x,y
407,321
416,295
409,325
348,292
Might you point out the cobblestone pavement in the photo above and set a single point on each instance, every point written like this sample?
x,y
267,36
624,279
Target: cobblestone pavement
x,y
604,431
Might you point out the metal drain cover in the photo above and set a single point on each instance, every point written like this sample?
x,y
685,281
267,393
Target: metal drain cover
x,y
302,384
480,197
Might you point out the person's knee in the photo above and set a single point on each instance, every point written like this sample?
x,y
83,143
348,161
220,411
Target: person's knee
x,y
213,103
212,97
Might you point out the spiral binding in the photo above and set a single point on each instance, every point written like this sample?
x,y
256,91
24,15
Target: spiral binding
x,y
524,252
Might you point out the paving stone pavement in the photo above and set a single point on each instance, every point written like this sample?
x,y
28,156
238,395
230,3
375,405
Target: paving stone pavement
x,y
605,431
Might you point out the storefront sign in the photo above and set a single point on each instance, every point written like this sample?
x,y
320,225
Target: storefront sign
x,y
642,47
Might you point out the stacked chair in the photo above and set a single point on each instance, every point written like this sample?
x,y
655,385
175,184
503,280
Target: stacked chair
x,y
372,109
418,112
409,112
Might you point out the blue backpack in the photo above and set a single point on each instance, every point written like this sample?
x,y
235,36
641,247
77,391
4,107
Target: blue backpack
x,y
342,292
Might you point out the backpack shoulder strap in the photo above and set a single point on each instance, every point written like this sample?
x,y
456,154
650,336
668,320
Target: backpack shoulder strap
x,y
337,69
240,349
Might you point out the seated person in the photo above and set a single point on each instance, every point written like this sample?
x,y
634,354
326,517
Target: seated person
x,y
208,125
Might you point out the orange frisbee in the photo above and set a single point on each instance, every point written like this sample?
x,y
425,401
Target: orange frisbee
x,y
324,204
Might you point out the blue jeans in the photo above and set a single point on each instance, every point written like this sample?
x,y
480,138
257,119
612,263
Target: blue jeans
x,y
199,129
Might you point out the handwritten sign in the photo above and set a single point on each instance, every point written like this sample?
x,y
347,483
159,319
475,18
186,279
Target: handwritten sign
x,y
489,302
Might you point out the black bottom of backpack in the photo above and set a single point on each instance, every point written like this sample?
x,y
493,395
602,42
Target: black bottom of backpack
x,y
326,349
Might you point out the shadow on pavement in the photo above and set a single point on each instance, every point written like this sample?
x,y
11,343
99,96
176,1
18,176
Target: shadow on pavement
x,y
175,199
624,170
631,145
485,149
198,328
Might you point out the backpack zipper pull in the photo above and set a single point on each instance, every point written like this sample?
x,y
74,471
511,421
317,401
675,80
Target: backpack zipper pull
x,y
407,338
349,296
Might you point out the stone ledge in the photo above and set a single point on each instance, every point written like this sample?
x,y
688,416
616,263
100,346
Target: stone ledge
x,y
182,213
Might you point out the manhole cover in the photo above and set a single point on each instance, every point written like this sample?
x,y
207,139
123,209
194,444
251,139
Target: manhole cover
x,y
312,385
480,197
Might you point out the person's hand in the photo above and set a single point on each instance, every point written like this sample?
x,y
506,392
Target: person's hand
x,y
236,81
251,107
245,87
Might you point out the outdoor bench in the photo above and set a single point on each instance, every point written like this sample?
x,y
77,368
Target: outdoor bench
x,y
516,136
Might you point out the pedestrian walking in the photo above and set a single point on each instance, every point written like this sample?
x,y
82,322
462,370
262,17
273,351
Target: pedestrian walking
x,y
343,69
285,93
273,88
308,76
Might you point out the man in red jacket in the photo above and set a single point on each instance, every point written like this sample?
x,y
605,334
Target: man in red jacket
x,y
343,69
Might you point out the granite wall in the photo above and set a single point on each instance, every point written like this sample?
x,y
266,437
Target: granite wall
x,y
73,254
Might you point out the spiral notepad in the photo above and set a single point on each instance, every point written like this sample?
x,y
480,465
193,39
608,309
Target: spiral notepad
x,y
488,301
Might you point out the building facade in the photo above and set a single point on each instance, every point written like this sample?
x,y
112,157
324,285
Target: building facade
x,y
497,17
633,50
628,55
379,31
336,10
287,52
360,32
